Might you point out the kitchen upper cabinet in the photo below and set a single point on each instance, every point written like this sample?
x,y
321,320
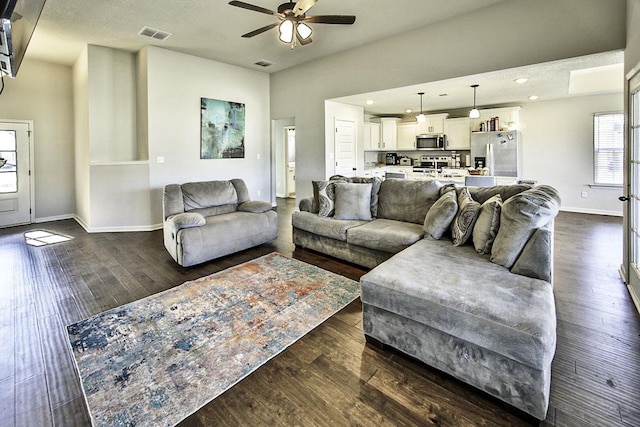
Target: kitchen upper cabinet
x,y
433,124
389,133
458,132
407,135
371,133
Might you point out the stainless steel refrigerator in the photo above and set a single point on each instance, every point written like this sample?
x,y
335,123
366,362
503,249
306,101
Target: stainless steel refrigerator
x,y
499,151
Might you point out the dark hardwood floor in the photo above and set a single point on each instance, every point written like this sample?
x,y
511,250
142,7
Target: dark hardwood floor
x,y
329,377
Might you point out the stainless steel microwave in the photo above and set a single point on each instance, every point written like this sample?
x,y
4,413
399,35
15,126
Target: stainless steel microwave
x,y
430,142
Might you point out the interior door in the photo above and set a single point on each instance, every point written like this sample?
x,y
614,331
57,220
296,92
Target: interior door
x,y
15,186
633,189
345,147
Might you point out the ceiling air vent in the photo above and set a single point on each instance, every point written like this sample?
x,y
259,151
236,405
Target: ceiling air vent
x,y
154,33
264,63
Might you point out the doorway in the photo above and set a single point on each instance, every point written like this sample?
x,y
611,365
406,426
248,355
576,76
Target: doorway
x,y
290,161
15,175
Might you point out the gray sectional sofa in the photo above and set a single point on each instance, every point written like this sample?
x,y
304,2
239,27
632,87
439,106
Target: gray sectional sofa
x,y
210,219
461,278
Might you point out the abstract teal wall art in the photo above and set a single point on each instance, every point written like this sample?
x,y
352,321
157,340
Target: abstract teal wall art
x,y
222,129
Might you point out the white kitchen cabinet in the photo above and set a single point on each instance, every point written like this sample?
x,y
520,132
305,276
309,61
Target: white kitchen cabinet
x,y
433,124
407,135
458,132
389,133
371,133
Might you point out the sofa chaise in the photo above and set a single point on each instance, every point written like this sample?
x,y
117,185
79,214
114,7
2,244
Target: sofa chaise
x,y
461,278
209,219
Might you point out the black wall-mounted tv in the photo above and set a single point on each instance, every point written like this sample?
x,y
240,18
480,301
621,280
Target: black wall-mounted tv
x,y
18,21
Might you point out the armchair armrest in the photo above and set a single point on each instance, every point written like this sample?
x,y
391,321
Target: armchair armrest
x,y
186,220
255,206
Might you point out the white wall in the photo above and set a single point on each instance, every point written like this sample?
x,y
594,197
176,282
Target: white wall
x,y
81,135
43,92
509,34
173,103
557,150
112,105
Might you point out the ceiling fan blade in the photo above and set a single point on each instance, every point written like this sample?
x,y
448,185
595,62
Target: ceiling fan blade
x,y
331,19
302,6
255,8
260,30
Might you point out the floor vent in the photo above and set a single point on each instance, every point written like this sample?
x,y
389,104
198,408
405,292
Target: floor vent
x,y
154,33
264,63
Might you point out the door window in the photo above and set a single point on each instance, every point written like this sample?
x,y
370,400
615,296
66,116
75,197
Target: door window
x,y
8,162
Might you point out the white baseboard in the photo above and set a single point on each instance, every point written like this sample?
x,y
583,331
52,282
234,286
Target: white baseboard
x,y
591,211
54,218
635,297
117,229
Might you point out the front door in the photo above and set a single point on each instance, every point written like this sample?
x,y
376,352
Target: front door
x,y
15,185
345,147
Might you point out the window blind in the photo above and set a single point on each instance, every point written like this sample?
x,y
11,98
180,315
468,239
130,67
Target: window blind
x,y
608,142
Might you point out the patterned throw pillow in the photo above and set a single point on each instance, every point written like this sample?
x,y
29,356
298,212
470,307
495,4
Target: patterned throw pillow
x,y
487,225
462,225
324,196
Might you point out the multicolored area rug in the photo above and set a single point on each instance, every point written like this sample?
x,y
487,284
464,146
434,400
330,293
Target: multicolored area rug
x,y
155,361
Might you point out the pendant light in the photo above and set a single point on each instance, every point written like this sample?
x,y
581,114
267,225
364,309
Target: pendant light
x,y
474,113
421,118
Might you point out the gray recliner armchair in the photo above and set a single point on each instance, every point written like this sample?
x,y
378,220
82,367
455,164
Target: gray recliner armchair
x,y
209,219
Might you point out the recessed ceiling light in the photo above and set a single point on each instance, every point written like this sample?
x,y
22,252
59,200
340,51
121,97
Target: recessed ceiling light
x,y
408,110
369,101
533,97
521,80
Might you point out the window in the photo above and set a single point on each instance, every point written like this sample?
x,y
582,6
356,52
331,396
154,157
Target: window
x,y
8,162
608,144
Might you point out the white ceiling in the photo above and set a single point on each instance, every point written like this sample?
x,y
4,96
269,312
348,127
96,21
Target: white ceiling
x,y
586,75
212,29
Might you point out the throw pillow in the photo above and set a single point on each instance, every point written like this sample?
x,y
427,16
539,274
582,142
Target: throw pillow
x,y
323,195
353,201
375,189
187,220
487,224
440,215
521,215
463,223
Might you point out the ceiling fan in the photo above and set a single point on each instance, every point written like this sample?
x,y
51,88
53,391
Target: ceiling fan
x,y
292,20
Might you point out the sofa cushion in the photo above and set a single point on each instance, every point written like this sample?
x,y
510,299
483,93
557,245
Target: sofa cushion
x,y
521,215
352,201
186,220
486,228
255,206
440,215
462,225
198,195
465,295
385,235
324,226
324,196
407,200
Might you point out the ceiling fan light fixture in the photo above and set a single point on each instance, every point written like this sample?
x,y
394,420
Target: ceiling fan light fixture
x,y
286,31
304,31
474,113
